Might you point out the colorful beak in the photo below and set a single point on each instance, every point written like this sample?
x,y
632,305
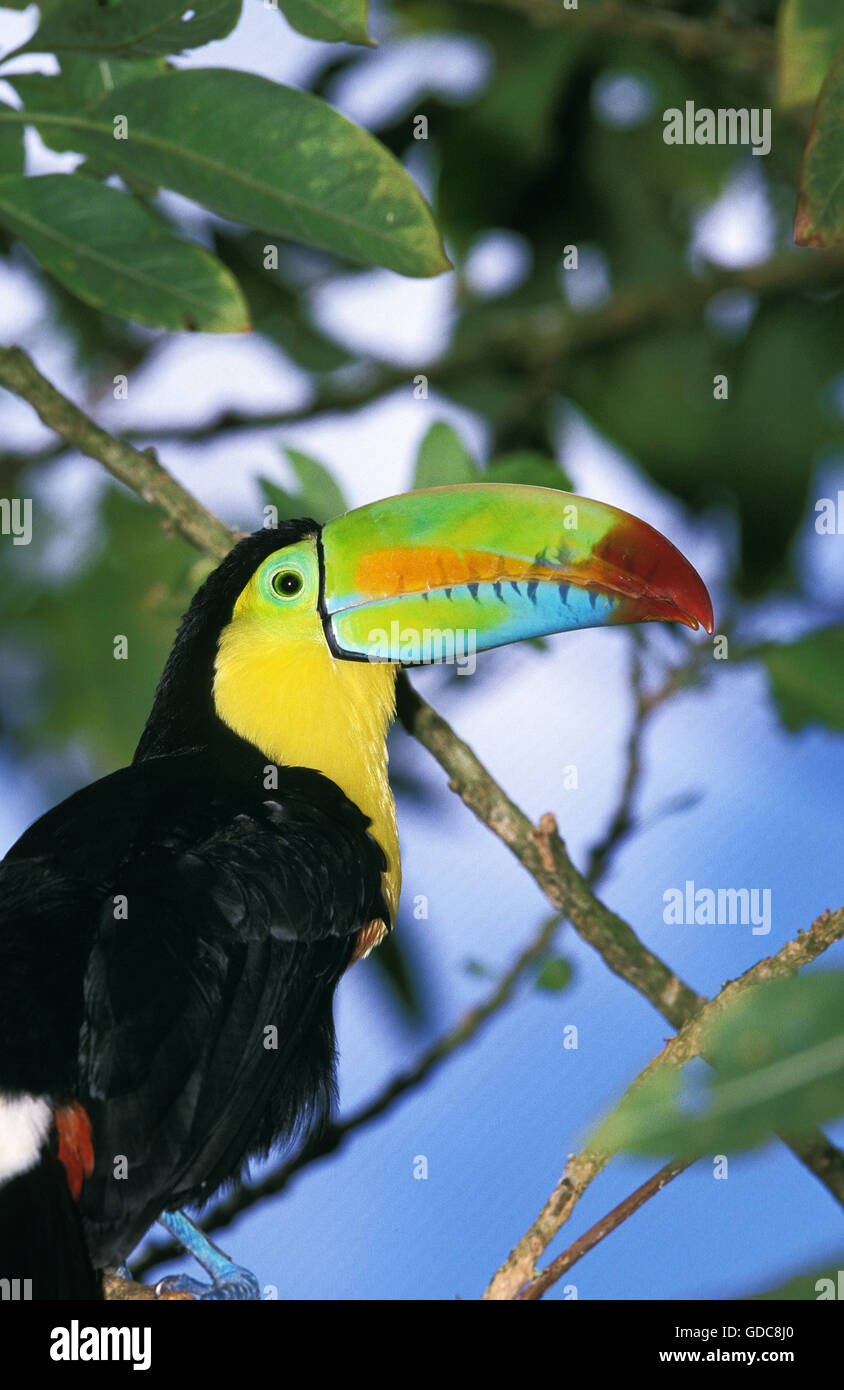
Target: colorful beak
x,y
406,576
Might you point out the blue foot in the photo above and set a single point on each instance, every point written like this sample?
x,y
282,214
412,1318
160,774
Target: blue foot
x,y
229,1281
240,1284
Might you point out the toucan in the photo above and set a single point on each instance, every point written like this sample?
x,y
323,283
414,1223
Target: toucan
x,y
171,936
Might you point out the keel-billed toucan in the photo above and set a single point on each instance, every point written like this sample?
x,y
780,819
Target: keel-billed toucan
x,y
171,936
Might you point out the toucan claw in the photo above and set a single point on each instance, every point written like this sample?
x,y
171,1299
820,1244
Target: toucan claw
x,y
229,1281
240,1285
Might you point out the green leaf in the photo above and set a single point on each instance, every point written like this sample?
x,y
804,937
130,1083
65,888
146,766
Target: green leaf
x,y
105,247
330,20
317,487
443,458
527,466
820,203
257,153
84,81
286,504
151,29
807,678
779,1050
808,33
644,1117
555,975
11,147
319,496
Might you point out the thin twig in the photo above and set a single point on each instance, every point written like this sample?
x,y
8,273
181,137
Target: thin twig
x,y
559,1266
622,821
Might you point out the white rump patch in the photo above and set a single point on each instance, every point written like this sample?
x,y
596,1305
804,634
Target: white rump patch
x,y
24,1125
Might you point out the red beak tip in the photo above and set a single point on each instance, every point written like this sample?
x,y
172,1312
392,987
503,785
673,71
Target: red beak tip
x,y
707,618
695,618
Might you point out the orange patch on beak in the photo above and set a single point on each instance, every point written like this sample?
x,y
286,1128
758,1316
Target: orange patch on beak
x,y
418,569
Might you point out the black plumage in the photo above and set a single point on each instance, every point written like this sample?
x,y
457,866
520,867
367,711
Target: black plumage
x,y
171,938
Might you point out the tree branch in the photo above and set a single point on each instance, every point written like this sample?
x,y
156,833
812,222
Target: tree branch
x,y
116,1289
140,471
718,37
559,1266
622,822
530,345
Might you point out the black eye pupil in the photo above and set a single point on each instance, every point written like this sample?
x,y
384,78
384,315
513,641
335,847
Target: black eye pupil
x,y
287,582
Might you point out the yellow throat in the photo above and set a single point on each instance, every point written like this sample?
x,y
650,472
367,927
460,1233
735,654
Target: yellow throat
x,y
277,685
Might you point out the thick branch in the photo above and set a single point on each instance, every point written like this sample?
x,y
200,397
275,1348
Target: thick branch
x,y
140,471
119,1290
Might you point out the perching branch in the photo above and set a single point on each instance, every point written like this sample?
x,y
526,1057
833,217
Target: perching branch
x,y
544,855
116,1289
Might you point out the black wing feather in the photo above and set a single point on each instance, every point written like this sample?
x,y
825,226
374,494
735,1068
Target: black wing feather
x,y
204,1015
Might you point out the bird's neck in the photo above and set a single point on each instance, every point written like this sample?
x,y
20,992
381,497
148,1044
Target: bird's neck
x,y
301,707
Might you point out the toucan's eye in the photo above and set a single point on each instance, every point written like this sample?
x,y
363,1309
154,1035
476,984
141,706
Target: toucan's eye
x,y
286,583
